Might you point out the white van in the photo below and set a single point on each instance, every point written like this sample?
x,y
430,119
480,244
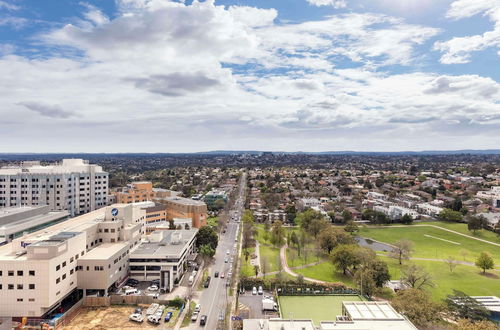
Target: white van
x,y
132,291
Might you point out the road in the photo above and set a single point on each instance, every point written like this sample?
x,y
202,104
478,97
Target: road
x,y
214,299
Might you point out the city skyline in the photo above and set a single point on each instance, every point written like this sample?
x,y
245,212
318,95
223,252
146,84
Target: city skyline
x,y
310,75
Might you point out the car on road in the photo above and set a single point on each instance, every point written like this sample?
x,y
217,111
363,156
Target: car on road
x,y
222,275
136,317
254,291
153,287
203,320
207,282
168,316
227,252
221,316
197,308
216,274
260,290
194,316
226,260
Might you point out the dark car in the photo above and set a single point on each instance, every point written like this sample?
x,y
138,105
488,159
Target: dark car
x,y
157,282
132,282
203,320
168,316
216,274
207,282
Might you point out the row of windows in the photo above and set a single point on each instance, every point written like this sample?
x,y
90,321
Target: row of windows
x,y
19,273
18,286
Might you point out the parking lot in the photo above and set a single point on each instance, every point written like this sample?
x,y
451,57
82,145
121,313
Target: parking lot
x,y
254,305
116,317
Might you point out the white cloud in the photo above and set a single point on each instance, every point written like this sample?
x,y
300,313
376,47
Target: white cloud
x,y
8,5
334,3
458,50
166,71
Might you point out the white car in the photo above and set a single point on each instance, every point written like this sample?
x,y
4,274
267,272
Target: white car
x,y
194,317
153,288
254,291
136,317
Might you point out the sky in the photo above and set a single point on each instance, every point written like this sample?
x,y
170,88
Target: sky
x,y
278,75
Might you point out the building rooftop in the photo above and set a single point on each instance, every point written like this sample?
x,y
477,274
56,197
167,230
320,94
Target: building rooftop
x,y
165,243
103,251
370,310
491,303
184,201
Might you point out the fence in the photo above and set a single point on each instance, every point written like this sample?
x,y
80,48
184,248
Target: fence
x,y
134,300
69,315
96,301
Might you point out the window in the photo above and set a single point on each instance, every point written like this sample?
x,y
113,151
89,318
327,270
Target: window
x,y
11,273
32,273
31,286
58,280
31,299
19,299
71,271
19,273
64,276
10,286
64,264
19,286
58,267
71,259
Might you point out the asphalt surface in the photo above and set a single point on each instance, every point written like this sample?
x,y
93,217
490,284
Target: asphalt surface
x,y
214,299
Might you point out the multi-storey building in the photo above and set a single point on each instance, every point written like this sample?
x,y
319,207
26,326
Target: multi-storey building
x,y
50,269
73,185
135,192
180,207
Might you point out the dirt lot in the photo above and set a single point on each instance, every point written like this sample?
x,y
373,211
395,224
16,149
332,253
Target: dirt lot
x,y
113,317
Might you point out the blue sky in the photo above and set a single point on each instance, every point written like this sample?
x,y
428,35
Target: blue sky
x,y
310,75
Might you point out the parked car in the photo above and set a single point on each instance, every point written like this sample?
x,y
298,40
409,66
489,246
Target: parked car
x,y
207,282
254,290
260,290
197,308
194,316
168,316
132,282
203,320
226,260
221,316
222,275
155,318
136,318
132,291
216,274
138,310
155,282
153,287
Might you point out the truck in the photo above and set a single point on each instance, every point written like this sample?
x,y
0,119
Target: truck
x,y
269,305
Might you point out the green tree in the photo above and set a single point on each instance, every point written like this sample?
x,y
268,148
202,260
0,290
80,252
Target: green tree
x,y
256,270
277,233
475,223
379,272
406,219
416,277
246,253
331,237
171,225
450,215
364,279
206,252
351,227
485,261
344,257
207,236
464,306
474,325
418,306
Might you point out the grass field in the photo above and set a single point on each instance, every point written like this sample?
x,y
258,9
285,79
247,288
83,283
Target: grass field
x,y
246,268
325,272
212,221
468,279
272,255
317,308
433,243
462,228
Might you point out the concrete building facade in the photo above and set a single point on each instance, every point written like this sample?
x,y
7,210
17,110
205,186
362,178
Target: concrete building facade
x,y
73,185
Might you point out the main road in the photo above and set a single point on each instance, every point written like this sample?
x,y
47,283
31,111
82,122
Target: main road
x,y
215,298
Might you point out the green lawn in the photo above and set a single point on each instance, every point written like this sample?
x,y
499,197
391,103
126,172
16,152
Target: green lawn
x,y
468,279
325,272
212,221
273,257
462,228
293,260
317,308
246,268
432,246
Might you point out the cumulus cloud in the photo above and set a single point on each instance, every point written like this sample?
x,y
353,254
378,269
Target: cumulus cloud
x,y
50,111
334,3
458,50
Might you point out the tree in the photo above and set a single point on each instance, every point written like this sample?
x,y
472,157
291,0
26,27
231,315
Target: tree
x,y
187,227
464,253
474,325
379,272
403,248
317,226
497,228
331,237
464,306
207,236
300,279
256,270
485,261
246,253
351,227
475,223
416,277
346,216
456,205
364,279
277,233
206,252
417,306
450,215
406,219
171,225
452,263
304,219
344,257
265,265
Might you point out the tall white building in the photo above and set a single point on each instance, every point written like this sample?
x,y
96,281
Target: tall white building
x,y
73,185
